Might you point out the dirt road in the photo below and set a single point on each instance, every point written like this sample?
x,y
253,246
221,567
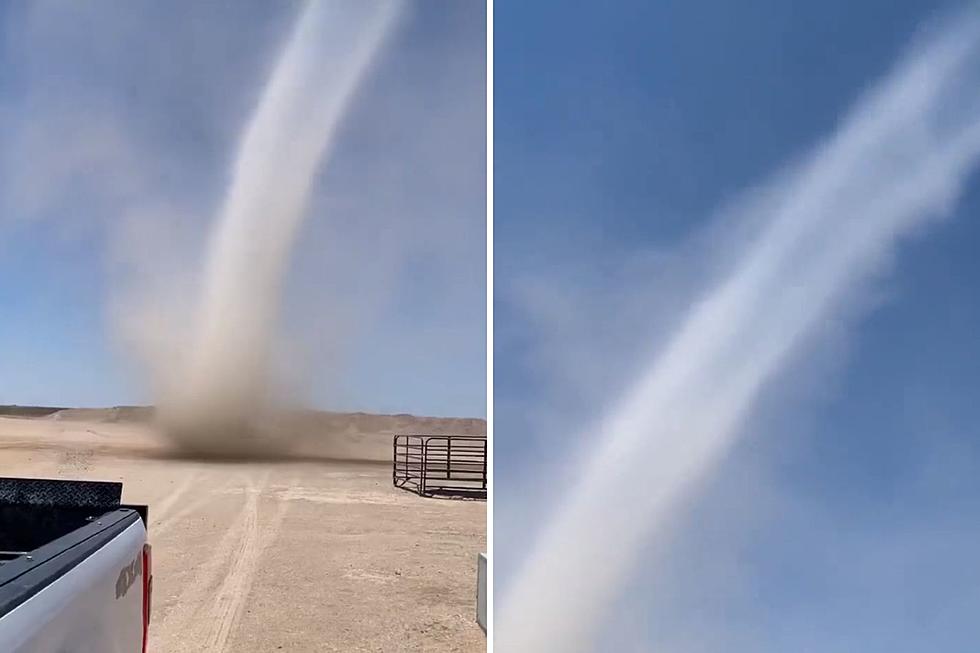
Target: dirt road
x,y
268,556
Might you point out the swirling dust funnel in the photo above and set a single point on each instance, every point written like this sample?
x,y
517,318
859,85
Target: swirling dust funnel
x,y
896,162
218,388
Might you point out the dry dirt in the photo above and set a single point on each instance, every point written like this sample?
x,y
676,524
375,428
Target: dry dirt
x,y
315,553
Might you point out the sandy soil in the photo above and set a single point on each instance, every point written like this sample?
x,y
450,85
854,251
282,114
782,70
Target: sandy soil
x,y
307,554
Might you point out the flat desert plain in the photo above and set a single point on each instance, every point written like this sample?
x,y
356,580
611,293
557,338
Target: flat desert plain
x,y
312,552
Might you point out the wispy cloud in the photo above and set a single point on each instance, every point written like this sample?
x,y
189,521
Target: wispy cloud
x,y
808,243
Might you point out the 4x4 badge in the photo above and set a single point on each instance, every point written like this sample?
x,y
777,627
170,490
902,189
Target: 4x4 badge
x,y
127,576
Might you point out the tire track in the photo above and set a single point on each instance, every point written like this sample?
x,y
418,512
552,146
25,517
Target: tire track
x,y
192,603
165,523
236,586
163,507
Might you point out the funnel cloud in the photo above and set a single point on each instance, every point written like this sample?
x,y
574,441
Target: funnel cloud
x,y
895,164
220,386
133,151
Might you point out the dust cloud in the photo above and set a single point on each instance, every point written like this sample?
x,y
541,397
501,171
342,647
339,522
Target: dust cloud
x,y
216,393
896,163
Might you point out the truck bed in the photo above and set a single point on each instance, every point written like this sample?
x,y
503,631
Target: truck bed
x,y
47,527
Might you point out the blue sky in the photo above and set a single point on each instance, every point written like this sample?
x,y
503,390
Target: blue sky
x,y
118,130
845,517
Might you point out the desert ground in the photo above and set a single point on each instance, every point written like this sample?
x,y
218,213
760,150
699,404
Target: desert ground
x,y
312,552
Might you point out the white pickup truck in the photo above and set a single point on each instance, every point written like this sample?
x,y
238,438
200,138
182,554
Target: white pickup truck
x,y
75,568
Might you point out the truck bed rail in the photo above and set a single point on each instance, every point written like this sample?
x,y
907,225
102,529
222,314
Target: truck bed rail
x,y
49,526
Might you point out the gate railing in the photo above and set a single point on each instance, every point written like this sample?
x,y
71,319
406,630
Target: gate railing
x,y
440,465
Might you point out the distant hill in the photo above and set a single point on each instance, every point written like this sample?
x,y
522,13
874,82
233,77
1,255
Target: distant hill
x,y
358,435
381,423
27,411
